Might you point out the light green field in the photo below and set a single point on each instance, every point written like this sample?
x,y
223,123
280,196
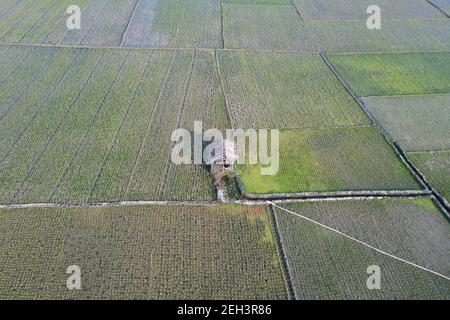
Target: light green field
x,y
146,252
98,125
282,90
415,122
391,74
330,160
435,166
352,10
326,265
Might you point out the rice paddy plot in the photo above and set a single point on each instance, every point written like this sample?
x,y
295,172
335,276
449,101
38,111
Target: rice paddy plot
x,y
394,36
265,27
415,122
285,90
98,125
357,10
175,23
395,73
145,252
435,166
331,160
327,265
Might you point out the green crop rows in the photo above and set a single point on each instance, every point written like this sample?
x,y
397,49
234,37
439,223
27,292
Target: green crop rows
x,y
93,138
146,252
266,90
393,74
331,160
326,265
86,124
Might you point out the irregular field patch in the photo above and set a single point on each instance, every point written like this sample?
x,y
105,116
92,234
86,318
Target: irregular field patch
x,y
327,160
415,122
98,124
175,23
435,166
283,90
394,73
146,252
351,9
326,265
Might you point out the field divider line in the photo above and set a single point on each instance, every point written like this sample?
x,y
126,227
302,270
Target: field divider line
x,y
360,242
88,129
150,121
119,129
438,8
287,273
243,202
44,45
162,187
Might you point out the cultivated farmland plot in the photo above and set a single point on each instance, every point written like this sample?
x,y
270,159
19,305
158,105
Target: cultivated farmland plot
x,y
265,27
435,166
326,265
328,160
395,73
146,252
417,123
103,22
97,125
394,36
285,91
356,10
281,28
175,23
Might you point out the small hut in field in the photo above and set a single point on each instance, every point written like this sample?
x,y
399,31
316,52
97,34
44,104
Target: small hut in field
x,y
223,160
